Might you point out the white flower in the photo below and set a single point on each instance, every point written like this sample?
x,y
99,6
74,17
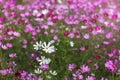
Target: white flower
x,y
106,23
71,43
59,1
38,71
35,12
47,48
44,60
83,27
45,11
53,72
48,76
38,45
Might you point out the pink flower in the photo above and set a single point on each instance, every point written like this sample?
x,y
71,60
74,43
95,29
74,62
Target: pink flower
x,y
106,42
55,37
65,33
52,31
90,29
115,50
90,78
0,43
24,46
9,45
17,34
71,67
82,48
24,41
86,36
72,35
115,27
4,72
85,69
13,55
34,33
109,35
4,47
110,65
44,26
10,32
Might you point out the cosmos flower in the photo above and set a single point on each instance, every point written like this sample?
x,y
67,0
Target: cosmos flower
x,y
110,65
86,36
44,67
83,27
48,48
90,78
38,71
44,60
109,35
53,72
44,11
12,55
71,43
85,69
38,45
48,76
71,67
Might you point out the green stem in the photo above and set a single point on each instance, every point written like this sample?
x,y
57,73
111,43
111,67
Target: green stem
x,y
1,64
113,76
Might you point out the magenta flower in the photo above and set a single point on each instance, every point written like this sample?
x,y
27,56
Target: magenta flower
x,y
71,67
4,47
44,67
65,33
55,37
85,69
4,72
90,78
9,45
17,34
77,76
82,48
12,55
110,65
72,35
109,35
86,36
115,50
52,31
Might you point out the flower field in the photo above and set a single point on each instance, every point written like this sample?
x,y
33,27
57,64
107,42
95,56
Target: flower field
x,y
59,39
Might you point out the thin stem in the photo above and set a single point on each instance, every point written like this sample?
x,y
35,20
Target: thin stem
x,y
113,76
1,65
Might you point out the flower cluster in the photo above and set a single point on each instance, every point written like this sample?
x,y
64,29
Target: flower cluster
x,y
83,34
45,47
44,63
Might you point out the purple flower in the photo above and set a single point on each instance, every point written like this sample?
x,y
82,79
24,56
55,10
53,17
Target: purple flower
x,y
115,50
9,45
96,66
110,65
55,37
71,67
90,78
109,35
44,67
85,69
17,34
4,47
4,72
77,75
12,55
86,36
67,79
